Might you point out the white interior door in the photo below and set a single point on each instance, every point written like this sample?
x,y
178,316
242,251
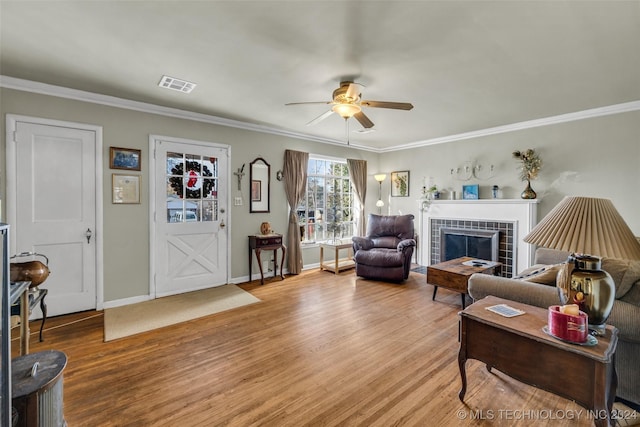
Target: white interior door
x,y
190,220
51,170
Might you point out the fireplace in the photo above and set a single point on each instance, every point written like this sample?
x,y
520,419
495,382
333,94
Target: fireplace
x,y
509,219
459,242
497,239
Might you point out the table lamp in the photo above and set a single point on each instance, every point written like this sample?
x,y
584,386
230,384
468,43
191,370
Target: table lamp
x,y
590,228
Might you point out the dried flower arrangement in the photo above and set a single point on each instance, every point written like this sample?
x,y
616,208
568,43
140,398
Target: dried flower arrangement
x,y
531,164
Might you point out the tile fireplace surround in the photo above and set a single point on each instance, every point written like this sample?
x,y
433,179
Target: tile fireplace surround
x,y
513,217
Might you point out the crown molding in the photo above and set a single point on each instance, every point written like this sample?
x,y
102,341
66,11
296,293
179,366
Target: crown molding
x,y
112,101
529,124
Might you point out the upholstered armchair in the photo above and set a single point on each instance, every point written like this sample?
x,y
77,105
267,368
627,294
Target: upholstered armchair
x,y
385,253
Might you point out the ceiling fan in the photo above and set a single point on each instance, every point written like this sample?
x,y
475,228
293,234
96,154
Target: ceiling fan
x,y
347,103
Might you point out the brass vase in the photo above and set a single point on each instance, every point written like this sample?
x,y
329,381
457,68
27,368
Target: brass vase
x,y
528,192
581,281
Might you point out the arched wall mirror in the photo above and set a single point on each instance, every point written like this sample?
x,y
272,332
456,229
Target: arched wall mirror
x,y
260,180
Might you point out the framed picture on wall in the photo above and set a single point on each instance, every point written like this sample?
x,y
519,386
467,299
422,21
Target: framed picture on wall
x,y
125,188
124,158
400,184
470,192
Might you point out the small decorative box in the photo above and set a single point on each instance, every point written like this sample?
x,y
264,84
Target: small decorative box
x,y
568,327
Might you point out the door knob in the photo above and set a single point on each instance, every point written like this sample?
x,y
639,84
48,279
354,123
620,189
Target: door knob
x,y
88,233
222,224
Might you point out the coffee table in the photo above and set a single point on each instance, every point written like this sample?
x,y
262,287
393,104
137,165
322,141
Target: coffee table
x,y
454,275
518,347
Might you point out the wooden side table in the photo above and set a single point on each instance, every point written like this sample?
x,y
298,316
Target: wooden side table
x,y
267,242
518,347
454,275
338,264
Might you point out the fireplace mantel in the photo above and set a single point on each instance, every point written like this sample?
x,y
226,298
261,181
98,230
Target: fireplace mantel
x,y
522,213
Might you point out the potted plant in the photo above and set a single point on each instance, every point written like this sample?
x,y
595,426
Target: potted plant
x,y
530,165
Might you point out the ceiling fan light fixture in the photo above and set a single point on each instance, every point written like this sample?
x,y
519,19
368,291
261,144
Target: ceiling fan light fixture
x,y
346,111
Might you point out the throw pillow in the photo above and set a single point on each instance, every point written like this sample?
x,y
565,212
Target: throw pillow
x,y
625,273
543,274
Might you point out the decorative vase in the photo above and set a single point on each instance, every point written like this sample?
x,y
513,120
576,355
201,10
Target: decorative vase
x,y
265,228
528,192
592,289
31,271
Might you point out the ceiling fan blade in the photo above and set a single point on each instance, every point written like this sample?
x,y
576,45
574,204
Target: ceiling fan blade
x,y
320,118
312,102
363,119
353,92
383,104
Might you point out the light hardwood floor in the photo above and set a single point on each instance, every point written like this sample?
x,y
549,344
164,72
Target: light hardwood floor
x,y
319,350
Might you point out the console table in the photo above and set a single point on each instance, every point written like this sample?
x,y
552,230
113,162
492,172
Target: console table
x,y
519,347
29,300
267,242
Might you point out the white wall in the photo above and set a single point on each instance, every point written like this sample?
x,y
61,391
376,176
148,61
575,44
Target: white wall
x,y
126,228
597,157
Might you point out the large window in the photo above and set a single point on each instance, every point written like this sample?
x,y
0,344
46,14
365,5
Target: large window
x,y
327,211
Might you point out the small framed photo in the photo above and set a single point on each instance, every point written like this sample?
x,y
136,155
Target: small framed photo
x,y
125,188
124,158
470,192
400,184
256,190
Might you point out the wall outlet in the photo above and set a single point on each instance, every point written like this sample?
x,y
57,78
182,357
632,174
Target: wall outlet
x,y
237,201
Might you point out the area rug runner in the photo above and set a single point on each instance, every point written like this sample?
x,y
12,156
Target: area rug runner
x,y
133,319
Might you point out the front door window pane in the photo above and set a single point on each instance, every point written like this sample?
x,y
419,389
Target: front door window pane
x,y
191,188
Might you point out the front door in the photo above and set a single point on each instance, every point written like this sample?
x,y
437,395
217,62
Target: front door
x,y
52,192
190,222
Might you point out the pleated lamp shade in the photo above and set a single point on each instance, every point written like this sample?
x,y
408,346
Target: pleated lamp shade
x,y
586,225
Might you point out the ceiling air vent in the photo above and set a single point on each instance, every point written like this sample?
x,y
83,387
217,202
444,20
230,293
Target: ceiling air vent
x,y
176,84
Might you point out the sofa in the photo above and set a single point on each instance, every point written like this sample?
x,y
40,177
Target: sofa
x,y
536,287
385,252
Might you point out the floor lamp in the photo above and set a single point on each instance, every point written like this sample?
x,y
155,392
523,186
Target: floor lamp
x,y
380,177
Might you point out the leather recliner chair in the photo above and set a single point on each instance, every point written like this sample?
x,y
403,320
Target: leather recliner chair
x,y
385,253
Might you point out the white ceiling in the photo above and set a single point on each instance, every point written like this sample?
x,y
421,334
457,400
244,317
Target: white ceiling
x,y
465,65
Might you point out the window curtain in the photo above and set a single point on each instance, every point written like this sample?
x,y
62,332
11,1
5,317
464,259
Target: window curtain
x,y
295,186
358,176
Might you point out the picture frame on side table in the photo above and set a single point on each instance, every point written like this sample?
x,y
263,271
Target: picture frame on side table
x,y
125,189
470,192
124,158
400,184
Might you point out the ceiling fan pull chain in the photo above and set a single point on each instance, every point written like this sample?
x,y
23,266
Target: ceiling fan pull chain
x,y
346,122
